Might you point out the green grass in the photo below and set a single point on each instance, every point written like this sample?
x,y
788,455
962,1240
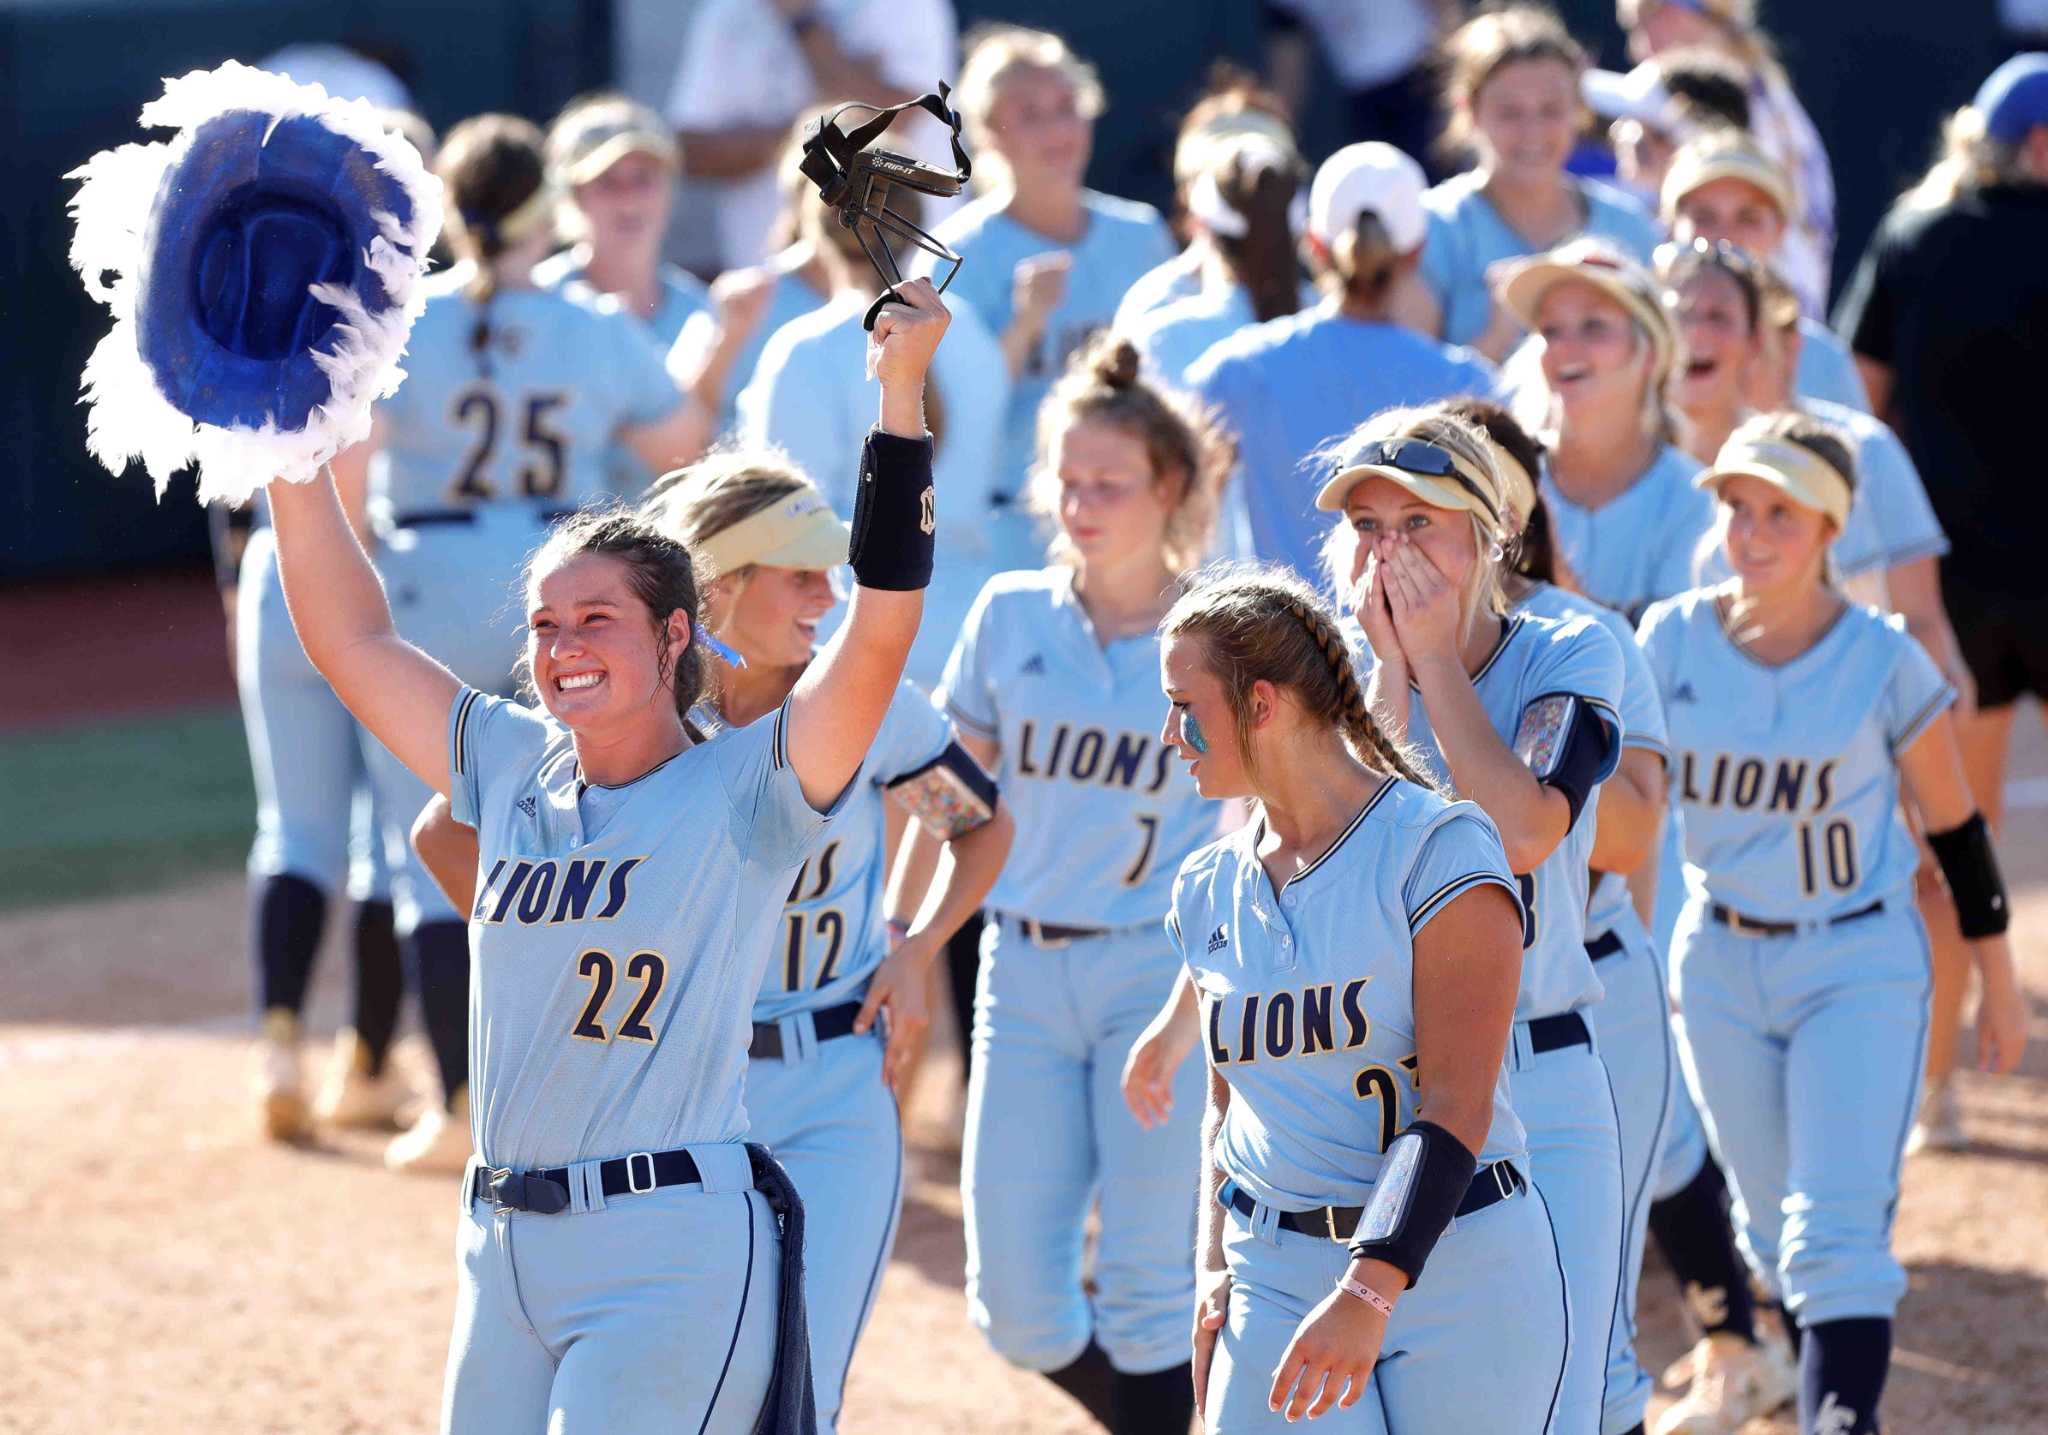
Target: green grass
x,y
120,805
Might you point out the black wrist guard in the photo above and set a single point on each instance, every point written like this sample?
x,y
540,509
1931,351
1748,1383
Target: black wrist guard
x,y
1423,1179
1971,868
893,518
1566,742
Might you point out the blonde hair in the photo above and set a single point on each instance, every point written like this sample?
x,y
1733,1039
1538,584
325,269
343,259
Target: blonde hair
x,y
1260,622
1183,442
1968,158
993,53
1479,48
696,503
1465,441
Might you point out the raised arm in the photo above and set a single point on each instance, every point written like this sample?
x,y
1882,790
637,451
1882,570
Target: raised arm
x,y
337,605
839,701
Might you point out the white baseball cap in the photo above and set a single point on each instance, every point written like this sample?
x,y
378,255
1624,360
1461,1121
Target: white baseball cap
x,y
1638,95
1369,176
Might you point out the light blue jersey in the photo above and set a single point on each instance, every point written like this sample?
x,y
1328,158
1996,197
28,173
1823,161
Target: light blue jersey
x,y
528,420
832,936
1538,657
1122,240
620,934
1307,994
1171,337
1825,369
1104,813
682,294
1466,234
811,398
791,299
1640,545
1642,720
1161,285
1787,777
1289,386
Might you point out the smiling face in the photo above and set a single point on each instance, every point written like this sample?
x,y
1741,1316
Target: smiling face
x,y
1733,210
1525,116
1194,691
591,649
1593,357
770,615
627,205
1037,126
1107,500
1719,342
1774,545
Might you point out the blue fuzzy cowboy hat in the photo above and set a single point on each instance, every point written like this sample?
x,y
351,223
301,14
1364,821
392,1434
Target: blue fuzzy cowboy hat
x,y
265,264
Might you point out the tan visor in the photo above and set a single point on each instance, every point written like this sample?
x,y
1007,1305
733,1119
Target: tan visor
x,y
1446,493
1691,171
800,531
1528,280
1803,476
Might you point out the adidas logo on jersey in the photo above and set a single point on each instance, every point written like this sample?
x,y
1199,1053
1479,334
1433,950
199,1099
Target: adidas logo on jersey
x,y
1683,693
1219,939
528,805
1034,666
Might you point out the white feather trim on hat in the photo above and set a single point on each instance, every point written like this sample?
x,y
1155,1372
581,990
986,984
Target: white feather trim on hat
x,y
128,416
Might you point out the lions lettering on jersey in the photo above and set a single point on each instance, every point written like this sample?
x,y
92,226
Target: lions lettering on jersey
x,y
528,896
1089,754
1318,1007
1775,784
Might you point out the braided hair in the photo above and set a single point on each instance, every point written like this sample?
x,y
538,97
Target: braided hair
x,y
1259,621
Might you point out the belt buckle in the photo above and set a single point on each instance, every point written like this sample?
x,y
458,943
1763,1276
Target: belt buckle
x,y
634,1186
1742,926
1503,1179
1035,931
1330,1225
494,1179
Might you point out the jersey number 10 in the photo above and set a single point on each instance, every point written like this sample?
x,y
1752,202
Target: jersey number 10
x,y
1836,850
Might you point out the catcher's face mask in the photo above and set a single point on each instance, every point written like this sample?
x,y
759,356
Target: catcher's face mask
x,y
854,182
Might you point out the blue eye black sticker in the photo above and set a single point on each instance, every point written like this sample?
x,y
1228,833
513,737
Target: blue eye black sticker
x,y
1191,732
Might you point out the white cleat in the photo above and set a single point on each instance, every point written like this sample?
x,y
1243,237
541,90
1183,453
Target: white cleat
x,y
437,1144
1733,1381
354,1097
279,1084
1940,1124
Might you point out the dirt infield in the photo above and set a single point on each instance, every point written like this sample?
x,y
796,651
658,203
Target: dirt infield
x,y
160,1269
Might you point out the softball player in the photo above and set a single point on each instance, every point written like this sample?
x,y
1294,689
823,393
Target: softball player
x,y
1235,110
1521,713
1245,199
1631,1021
819,1086
1290,386
1624,515
1512,94
500,426
1356,952
614,1262
1723,186
316,832
1800,965
1053,686
614,163
1047,260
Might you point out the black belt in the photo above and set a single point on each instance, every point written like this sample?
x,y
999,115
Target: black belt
x,y
1604,946
1489,1184
429,517
832,1021
546,1192
1754,927
1052,934
1554,1033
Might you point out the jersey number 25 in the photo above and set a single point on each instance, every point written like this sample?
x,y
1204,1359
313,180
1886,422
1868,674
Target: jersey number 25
x,y
481,408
